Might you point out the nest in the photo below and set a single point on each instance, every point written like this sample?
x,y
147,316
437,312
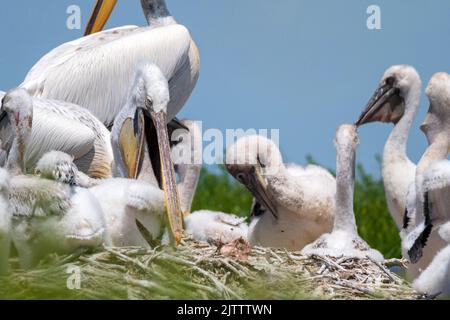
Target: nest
x,y
202,271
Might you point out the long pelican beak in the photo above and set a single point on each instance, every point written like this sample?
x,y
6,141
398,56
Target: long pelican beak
x,y
169,183
100,15
386,105
258,187
251,177
131,143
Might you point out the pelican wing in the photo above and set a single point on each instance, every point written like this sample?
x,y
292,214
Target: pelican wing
x,y
67,51
59,126
98,75
436,186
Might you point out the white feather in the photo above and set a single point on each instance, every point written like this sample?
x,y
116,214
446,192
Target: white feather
x,y
210,226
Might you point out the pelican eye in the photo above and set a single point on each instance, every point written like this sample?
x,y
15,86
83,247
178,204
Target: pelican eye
x,y
240,177
149,103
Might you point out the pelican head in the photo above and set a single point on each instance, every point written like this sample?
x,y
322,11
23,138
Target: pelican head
x,y
145,121
18,106
155,86
437,121
250,160
388,104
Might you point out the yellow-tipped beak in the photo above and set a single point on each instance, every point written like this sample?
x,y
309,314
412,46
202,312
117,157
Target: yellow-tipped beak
x,y
100,15
131,144
169,183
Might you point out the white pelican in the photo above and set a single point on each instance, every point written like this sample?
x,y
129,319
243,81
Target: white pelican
x,y
48,216
396,100
435,279
134,209
61,126
95,72
299,201
420,237
5,221
344,240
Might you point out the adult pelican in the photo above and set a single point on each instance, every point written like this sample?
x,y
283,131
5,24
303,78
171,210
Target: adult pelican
x,y
344,240
95,72
61,126
48,216
396,100
428,204
133,205
299,201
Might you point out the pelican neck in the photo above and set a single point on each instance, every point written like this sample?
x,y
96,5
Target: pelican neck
x,y
345,178
396,144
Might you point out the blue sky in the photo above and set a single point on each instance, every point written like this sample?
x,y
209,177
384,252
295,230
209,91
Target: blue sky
x,y
303,66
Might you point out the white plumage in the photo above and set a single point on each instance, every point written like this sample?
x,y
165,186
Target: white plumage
x,y
299,201
126,204
53,217
210,226
48,216
427,203
435,279
64,127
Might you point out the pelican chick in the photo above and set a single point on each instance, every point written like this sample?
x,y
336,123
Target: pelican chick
x,y
60,126
211,226
435,279
133,209
5,221
299,201
396,100
428,203
344,239
47,216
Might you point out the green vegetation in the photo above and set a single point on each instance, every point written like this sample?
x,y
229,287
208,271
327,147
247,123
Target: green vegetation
x,y
221,192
